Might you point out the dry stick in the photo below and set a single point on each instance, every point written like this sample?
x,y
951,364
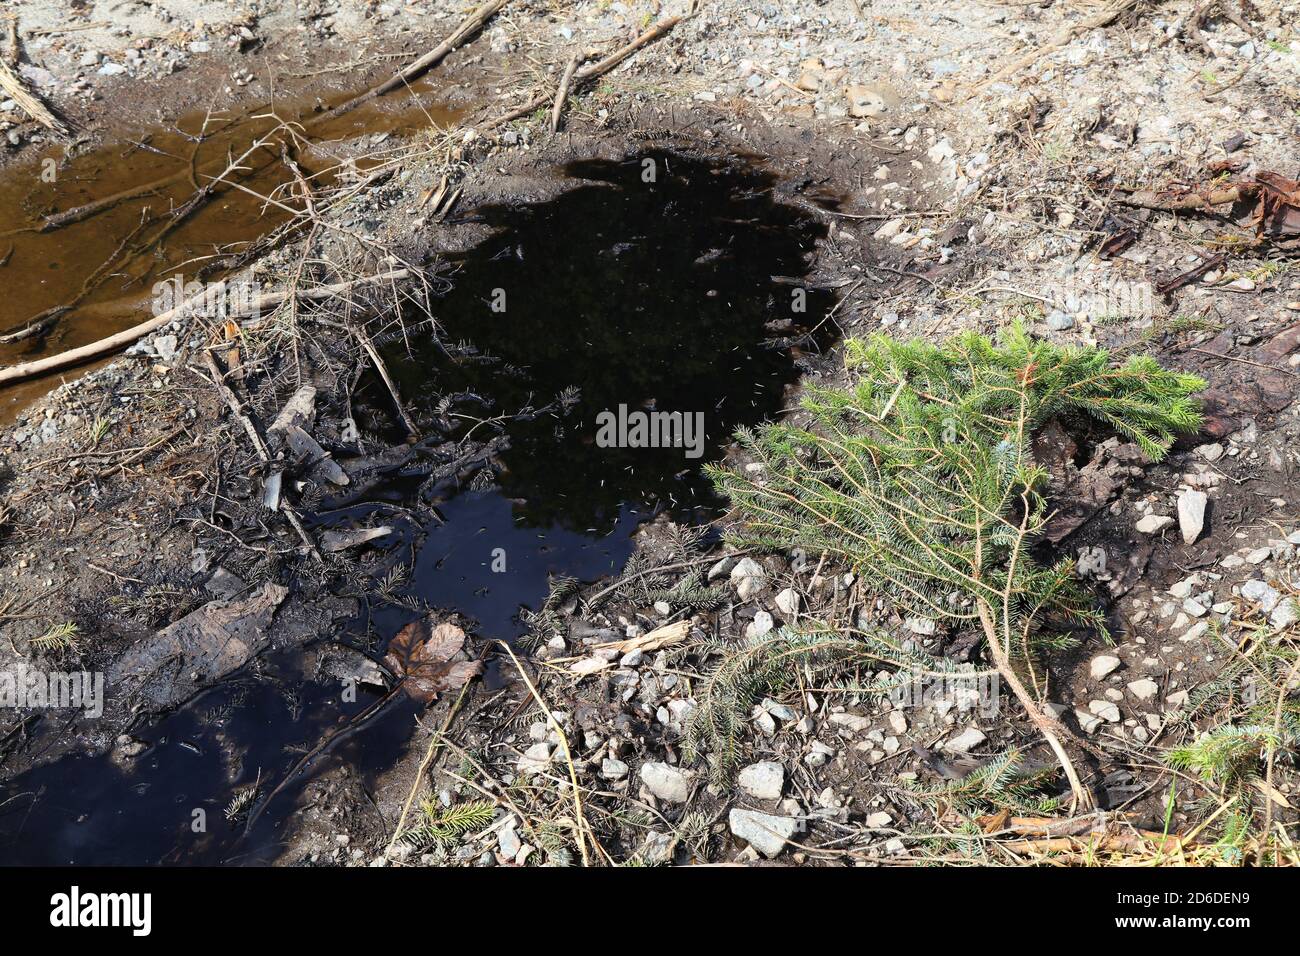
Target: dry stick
x,y
382,368
19,93
1062,38
468,28
1272,747
562,92
219,379
580,826
424,767
1053,730
592,71
35,325
16,373
12,30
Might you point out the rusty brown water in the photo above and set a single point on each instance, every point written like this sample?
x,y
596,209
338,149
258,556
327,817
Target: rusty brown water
x,y
105,264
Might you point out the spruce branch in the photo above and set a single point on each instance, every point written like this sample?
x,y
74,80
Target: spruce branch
x,y
920,477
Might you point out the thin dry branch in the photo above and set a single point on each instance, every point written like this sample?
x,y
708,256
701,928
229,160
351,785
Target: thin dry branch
x,y
468,27
192,305
562,92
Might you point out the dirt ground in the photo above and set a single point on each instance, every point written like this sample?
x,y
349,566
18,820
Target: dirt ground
x,y
972,164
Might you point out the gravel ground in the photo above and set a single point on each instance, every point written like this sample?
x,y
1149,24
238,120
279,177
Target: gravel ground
x,y
980,155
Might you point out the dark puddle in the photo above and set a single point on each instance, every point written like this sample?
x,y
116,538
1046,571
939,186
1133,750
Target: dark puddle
x,y
103,266
676,296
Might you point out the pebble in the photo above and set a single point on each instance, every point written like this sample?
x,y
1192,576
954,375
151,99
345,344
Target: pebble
x,y
1059,321
765,833
748,578
763,780
535,759
1262,593
787,602
1103,665
1105,709
666,782
1154,524
1143,689
761,625
1088,722
508,843
818,755
855,723
612,769
1191,514
966,741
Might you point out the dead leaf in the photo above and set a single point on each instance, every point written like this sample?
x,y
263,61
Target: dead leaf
x,y
431,660
1278,212
1272,793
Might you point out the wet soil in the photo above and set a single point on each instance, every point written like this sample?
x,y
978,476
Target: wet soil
x,y
680,294
87,240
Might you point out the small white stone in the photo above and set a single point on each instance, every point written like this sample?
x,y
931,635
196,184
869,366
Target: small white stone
x,y
666,782
1143,689
763,780
535,759
966,741
748,578
1153,524
761,625
787,602
1102,665
765,833
1088,722
1104,709
1191,514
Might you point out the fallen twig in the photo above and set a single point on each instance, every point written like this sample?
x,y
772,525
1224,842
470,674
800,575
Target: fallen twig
x,y
591,71
197,303
580,826
259,445
468,28
1062,39
562,92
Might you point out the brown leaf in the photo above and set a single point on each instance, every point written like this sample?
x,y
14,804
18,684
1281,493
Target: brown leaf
x,y
431,660
1278,212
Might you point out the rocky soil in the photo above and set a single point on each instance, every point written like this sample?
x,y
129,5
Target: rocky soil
x,y
975,164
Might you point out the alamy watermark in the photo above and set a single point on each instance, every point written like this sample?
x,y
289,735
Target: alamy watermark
x,y
28,687
229,299
967,690
1092,295
641,429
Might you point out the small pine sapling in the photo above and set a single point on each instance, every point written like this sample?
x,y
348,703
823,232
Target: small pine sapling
x,y
920,477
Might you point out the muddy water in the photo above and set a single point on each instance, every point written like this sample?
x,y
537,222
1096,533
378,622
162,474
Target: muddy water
x,y
679,295
676,296
104,265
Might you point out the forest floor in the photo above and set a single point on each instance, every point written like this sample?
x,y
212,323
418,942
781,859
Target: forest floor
x,y
957,167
